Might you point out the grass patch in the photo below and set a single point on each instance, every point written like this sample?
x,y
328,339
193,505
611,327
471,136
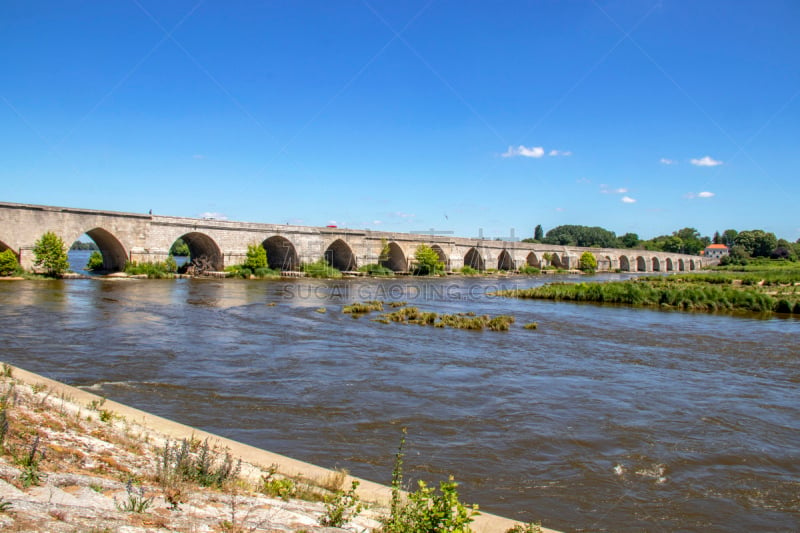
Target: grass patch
x,y
153,270
376,270
244,272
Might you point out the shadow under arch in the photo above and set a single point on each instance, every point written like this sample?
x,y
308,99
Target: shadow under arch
x,y
533,260
340,256
114,254
670,264
201,246
474,260
396,259
281,253
624,263
656,264
504,261
641,264
681,265
4,247
556,261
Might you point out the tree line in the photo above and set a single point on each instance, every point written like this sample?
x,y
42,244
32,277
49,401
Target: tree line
x,y
743,244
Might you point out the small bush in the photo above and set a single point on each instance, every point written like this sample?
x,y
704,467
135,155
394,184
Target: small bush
x,y
376,270
9,265
51,254
321,269
469,271
528,269
95,261
341,508
154,270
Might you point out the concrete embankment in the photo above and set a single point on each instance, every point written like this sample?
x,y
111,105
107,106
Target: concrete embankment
x,y
159,430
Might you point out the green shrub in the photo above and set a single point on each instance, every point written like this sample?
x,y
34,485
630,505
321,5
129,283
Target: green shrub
x,y
8,263
528,269
342,507
428,263
154,270
51,254
95,261
256,257
376,270
587,262
469,271
321,269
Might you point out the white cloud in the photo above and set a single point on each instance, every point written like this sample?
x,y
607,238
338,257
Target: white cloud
x,y
703,194
706,161
533,151
377,222
564,153
213,216
628,200
406,216
665,161
621,190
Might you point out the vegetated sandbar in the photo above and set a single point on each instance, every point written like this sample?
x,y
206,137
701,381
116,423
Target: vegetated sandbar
x,y
711,292
90,444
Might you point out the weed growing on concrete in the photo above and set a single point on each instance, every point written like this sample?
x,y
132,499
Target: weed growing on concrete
x,y
29,462
342,507
7,370
179,463
283,488
530,527
426,509
135,502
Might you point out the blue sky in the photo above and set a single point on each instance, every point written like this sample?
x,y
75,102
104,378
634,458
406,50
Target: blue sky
x,y
463,116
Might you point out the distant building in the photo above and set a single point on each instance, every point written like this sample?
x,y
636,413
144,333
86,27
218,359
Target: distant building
x,y
716,251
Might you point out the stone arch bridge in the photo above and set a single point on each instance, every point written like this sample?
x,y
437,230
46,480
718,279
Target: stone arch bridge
x,y
124,237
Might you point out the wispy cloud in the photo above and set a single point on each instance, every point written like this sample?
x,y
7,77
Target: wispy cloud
x,y
198,156
209,215
583,180
562,153
522,151
604,189
706,161
703,194
628,200
404,216
560,209
665,161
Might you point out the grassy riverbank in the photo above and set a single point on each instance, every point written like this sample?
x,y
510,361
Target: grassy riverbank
x,y
770,288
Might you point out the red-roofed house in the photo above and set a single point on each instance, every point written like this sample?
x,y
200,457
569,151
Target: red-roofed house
x,y
715,251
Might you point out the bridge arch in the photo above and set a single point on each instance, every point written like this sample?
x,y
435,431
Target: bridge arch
x,y
395,259
624,263
533,260
114,254
202,246
281,253
692,264
473,259
556,260
656,262
681,265
504,261
340,256
670,264
442,256
641,264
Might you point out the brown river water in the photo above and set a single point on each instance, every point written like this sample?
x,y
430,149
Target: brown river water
x,y
603,419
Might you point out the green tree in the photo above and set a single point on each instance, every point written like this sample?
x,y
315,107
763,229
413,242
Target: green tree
x,y
538,233
572,235
180,248
8,263
717,238
51,254
629,240
256,257
758,243
95,261
587,262
729,237
428,262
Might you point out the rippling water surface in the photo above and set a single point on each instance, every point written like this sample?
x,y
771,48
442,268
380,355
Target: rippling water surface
x,y
604,418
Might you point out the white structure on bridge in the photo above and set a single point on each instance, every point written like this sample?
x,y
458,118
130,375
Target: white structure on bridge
x,y
124,237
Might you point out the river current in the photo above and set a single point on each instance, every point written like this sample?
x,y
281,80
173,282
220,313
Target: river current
x,y
603,419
